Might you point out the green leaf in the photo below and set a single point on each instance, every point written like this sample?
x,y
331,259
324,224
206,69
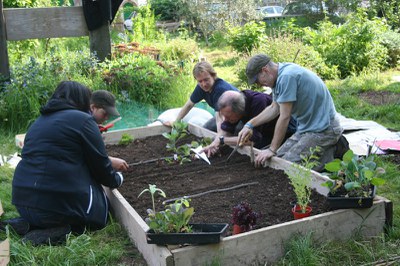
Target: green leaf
x,y
348,156
377,181
368,174
333,166
327,184
352,185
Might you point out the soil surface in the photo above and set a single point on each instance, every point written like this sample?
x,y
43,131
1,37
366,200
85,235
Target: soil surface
x,y
266,190
380,97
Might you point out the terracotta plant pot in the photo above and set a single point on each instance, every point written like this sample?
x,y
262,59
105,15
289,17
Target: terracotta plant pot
x,y
298,214
237,229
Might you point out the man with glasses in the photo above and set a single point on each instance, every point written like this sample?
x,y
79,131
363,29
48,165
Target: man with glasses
x,y
298,93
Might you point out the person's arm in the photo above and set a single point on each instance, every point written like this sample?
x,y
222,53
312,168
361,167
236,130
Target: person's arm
x,y
267,115
279,134
96,157
182,113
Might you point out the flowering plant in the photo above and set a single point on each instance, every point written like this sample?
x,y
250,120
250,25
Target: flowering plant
x,y
244,216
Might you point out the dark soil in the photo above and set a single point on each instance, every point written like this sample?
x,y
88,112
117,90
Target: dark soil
x,y
271,196
380,97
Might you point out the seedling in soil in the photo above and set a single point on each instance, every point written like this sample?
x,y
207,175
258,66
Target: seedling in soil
x,y
125,139
174,219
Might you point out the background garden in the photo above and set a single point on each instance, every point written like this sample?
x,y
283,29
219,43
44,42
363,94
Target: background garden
x,y
355,50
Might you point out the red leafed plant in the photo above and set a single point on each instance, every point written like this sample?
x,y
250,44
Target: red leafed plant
x,y
244,216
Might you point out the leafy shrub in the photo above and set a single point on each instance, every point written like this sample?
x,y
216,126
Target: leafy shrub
x,y
244,39
169,9
179,49
391,40
144,25
353,47
137,77
286,48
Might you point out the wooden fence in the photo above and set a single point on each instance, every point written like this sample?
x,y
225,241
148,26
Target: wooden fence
x,y
53,22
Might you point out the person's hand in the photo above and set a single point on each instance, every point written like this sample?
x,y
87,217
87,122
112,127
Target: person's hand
x,y
211,149
244,135
119,164
168,123
262,157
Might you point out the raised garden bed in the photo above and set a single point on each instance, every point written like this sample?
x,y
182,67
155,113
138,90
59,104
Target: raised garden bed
x,y
265,244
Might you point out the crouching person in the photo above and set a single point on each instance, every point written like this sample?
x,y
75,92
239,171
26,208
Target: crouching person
x,y
57,186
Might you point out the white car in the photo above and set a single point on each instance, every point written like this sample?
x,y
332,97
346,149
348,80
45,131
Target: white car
x,y
268,11
128,23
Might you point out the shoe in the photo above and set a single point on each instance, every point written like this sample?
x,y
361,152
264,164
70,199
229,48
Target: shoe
x,y
54,236
19,225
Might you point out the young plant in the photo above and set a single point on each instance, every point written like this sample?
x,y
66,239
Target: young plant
x,y
126,139
152,190
353,175
244,216
181,152
300,177
175,217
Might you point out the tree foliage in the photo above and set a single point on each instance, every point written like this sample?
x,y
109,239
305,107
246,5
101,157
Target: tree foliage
x,y
210,16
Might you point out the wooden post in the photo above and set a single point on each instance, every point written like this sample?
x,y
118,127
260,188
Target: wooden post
x,y
100,42
4,63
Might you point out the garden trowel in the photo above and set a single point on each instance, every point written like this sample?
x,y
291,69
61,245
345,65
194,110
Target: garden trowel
x,y
202,155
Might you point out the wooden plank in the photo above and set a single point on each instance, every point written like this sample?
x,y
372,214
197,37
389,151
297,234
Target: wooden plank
x,y
38,23
4,252
4,63
100,42
266,245
136,228
263,245
113,137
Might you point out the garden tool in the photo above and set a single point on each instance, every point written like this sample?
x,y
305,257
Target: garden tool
x,y
202,155
109,125
234,150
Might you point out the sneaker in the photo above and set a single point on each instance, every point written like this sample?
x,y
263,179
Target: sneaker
x,y
19,225
54,236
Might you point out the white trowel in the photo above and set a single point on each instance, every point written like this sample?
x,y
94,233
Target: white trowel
x,y
202,155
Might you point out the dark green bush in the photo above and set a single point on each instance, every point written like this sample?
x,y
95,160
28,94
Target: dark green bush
x,y
244,39
139,78
353,47
391,40
286,48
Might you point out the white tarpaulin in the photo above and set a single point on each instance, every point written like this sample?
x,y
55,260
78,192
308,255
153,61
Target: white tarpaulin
x,y
360,134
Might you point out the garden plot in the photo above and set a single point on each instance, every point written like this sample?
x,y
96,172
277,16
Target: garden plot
x,y
265,243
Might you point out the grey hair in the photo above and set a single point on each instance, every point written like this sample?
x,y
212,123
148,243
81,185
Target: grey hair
x,y
236,100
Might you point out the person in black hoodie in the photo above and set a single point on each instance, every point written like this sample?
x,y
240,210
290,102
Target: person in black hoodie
x,y
57,186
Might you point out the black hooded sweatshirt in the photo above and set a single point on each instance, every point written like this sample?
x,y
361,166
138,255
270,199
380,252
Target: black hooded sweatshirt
x,y
64,163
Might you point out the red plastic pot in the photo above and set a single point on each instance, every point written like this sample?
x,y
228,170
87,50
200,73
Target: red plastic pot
x,y
237,229
298,214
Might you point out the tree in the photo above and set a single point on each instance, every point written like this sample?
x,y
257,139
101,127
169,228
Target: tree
x,y
209,16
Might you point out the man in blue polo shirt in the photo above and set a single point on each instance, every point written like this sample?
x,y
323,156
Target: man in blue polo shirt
x,y
300,93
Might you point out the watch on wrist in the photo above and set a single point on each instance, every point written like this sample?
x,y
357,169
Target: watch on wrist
x,y
221,140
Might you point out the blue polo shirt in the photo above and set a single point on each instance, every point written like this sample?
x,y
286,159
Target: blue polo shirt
x,y
220,86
